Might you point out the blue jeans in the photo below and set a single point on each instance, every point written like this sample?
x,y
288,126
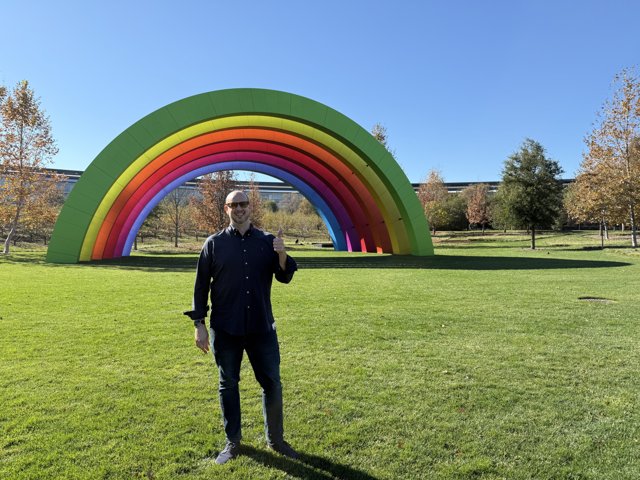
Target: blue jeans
x,y
264,354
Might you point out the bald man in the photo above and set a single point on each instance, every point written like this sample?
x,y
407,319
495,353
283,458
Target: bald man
x,y
236,268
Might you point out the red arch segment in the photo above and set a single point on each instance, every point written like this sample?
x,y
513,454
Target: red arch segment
x,y
162,177
296,151
342,225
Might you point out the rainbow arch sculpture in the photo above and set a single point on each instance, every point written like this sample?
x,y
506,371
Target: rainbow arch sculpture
x,y
359,190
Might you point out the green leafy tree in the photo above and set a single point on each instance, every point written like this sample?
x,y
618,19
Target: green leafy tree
x,y
531,188
499,212
26,147
270,206
455,207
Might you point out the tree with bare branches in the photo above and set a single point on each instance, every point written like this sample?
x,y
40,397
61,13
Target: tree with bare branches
x,y
379,132
26,147
175,207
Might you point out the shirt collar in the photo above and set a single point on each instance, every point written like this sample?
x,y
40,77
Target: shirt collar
x,y
234,231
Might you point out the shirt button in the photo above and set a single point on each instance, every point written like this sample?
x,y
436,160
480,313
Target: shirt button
x,y
248,306
244,251
247,292
246,263
247,278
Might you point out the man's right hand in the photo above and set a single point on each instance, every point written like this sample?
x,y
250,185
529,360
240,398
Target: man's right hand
x,y
202,337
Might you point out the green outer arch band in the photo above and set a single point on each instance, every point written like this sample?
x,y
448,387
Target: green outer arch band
x,y
134,142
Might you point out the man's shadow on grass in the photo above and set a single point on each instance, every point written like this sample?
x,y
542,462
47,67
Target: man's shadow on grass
x,y
308,466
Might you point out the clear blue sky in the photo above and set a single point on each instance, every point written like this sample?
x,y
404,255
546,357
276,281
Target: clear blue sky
x,y
458,84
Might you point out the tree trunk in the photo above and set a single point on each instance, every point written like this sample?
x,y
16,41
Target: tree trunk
x,y
7,242
602,227
12,230
176,232
533,238
634,227
135,242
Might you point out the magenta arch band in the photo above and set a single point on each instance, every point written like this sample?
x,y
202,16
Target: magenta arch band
x,y
343,224
325,211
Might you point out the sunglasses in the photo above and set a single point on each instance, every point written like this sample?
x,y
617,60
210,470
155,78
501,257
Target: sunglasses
x,y
237,204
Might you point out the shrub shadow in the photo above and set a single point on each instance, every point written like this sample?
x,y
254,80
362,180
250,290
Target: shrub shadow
x,y
160,262
453,262
309,467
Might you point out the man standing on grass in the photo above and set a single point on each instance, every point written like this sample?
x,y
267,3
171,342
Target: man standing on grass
x,y
237,266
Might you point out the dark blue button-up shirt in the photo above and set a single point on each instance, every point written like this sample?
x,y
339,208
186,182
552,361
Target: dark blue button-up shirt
x,y
238,271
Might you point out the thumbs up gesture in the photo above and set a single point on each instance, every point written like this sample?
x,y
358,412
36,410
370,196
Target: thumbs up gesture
x,y
278,242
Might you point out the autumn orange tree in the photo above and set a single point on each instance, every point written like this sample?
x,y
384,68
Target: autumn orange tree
x,y
208,204
589,199
612,160
255,199
39,219
26,147
478,211
434,196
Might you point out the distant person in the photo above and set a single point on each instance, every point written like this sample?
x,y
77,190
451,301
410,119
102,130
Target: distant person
x,y
237,266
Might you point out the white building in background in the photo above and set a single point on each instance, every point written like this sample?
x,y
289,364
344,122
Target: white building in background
x,y
273,190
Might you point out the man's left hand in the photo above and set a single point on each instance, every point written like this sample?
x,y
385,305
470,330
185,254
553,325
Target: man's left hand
x,y
278,242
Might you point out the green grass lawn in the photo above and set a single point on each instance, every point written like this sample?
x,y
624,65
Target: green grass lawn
x,y
480,362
